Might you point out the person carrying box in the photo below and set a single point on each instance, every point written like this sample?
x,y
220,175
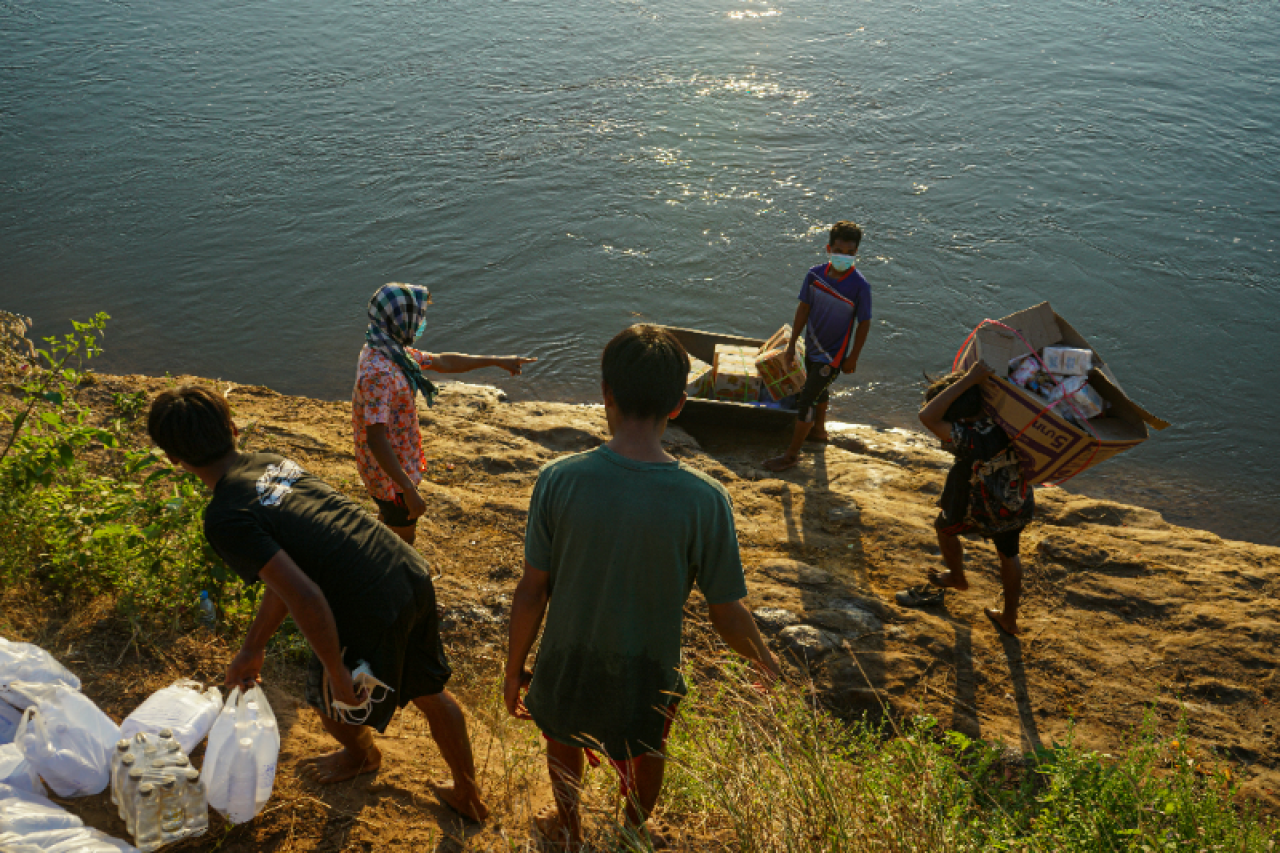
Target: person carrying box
x,y
834,314
985,493
616,539
358,593
384,415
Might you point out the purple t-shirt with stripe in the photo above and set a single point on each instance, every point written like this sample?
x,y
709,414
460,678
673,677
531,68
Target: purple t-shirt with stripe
x,y
831,316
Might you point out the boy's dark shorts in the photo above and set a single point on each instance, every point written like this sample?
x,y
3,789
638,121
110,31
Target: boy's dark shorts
x,y
410,659
394,513
819,378
1007,542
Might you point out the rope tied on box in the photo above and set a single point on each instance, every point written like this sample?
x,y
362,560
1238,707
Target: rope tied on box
x,y
1084,422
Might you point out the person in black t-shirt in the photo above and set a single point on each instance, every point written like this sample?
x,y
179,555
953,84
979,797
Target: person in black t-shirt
x,y
358,593
984,493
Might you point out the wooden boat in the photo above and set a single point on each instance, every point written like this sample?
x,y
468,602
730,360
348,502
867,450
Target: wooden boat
x,y
720,412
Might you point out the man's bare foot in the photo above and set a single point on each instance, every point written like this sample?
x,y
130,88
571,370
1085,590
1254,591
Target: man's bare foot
x,y
781,463
1005,625
817,436
660,834
469,805
341,765
547,822
947,580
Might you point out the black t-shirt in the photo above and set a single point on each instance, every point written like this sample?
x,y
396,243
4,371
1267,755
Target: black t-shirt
x,y
977,442
266,503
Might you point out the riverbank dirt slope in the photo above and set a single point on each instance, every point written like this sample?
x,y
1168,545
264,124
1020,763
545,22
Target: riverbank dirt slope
x,y
1121,613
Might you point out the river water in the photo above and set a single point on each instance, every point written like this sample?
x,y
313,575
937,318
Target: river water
x,y
231,180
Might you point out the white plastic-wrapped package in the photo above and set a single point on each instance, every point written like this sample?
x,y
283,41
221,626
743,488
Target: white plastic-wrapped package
x,y
68,740
1074,398
184,707
81,839
240,760
22,813
16,771
26,662
9,717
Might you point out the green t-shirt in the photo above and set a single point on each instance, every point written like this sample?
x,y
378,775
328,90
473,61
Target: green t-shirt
x,y
624,543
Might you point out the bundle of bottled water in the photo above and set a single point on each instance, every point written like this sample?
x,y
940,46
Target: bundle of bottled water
x,y
240,759
156,791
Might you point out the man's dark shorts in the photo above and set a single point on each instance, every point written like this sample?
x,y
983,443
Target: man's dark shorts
x,y
819,377
394,513
409,659
1007,542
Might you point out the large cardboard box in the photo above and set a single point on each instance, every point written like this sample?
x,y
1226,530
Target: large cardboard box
x,y
1050,446
780,377
734,377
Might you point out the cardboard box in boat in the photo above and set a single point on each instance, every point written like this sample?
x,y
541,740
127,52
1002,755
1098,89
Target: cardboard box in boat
x,y
699,384
781,378
733,376
1050,446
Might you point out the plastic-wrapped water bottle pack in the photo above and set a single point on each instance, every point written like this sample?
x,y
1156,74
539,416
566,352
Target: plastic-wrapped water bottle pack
x,y
51,734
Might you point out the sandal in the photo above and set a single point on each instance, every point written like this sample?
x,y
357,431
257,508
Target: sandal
x,y
924,595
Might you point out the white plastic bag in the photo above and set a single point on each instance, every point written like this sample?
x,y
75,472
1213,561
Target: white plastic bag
x,y
9,717
25,662
81,839
68,740
238,776
22,812
182,708
17,772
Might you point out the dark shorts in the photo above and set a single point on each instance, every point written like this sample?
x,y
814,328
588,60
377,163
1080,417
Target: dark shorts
x,y
819,378
409,659
1007,542
394,513
626,768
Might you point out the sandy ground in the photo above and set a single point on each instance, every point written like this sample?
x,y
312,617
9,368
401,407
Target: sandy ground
x,y
1121,613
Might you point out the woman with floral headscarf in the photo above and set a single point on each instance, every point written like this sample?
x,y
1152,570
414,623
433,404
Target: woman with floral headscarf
x,y
384,412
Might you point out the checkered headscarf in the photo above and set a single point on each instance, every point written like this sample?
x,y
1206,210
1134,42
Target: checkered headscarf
x,y
396,314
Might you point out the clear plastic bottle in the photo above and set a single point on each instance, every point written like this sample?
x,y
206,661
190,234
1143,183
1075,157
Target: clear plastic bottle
x,y
173,813
146,823
120,781
242,783
196,804
129,799
208,613
121,750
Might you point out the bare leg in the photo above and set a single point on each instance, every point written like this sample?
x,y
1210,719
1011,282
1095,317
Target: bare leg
x,y
358,755
449,731
792,454
564,764
1011,580
953,556
819,431
648,771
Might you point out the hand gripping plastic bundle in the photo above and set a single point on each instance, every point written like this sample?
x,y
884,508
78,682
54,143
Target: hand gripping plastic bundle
x,y
67,739
240,759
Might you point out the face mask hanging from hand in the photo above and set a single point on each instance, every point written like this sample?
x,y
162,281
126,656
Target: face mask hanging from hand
x,y
840,263
370,690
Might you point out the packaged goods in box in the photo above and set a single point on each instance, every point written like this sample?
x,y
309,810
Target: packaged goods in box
x,y
1068,361
780,377
1050,446
699,384
734,376
1076,400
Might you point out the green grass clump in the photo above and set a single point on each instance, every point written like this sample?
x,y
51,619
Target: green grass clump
x,y
773,772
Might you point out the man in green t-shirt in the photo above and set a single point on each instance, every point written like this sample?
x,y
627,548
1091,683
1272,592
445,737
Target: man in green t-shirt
x,y
617,537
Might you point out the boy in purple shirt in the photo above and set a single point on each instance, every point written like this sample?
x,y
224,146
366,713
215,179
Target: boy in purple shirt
x,y
834,314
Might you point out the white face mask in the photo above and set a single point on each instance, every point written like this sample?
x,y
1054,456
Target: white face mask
x,y
840,263
368,687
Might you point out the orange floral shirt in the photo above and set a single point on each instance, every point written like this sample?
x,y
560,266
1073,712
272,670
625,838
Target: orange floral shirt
x,y
382,396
